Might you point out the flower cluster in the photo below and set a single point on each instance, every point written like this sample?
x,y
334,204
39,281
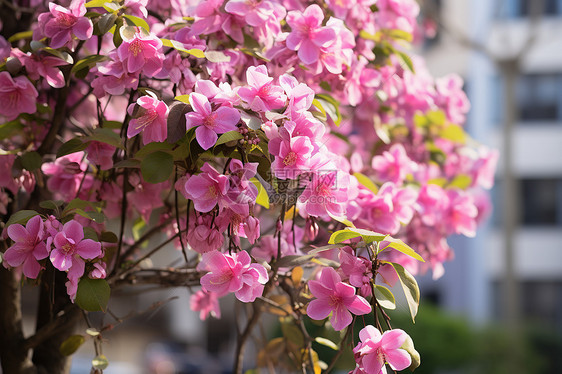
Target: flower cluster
x,y
247,132
65,246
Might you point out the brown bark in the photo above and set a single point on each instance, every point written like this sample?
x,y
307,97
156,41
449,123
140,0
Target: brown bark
x,y
57,318
13,355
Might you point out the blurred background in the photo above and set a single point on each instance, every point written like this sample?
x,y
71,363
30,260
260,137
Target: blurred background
x,y
498,308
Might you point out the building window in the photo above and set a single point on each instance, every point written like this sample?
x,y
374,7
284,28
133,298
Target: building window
x,y
539,200
525,8
538,96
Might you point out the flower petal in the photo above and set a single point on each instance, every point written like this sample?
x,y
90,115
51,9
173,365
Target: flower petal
x,y
393,339
398,359
73,230
318,309
88,249
341,318
205,137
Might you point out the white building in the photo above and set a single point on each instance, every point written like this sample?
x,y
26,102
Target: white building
x,y
471,281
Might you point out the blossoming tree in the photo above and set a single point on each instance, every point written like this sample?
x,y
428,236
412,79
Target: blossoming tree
x,y
296,153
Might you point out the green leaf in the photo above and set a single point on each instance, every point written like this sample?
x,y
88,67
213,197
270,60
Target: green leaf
x,y
8,128
129,163
332,108
105,23
21,217
217,56
179,46
136,21
153,147
92,294
79,204
400,246
107,136
399,34
436,117
454,133
384,297
51,204
292,333
228,137
108,237
407,60
72,146
157,167
366,182
408,346
71,345
368,36
182,98
410,288
96,3
87,62
326,342
461,181
100,362
31,161
317,250
293,260
263,198
352,232
20,36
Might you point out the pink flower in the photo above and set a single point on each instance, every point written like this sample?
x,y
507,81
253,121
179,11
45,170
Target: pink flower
x,y
40,66
100,154
357,269
99,271
71,248
140,52
206,303
462,213
150,119
66,175
393,165
375,350
17,95
202,238
308,35
292,156
28,247
334,296
207,189
210,123
61,23
262,95
233,273
326,194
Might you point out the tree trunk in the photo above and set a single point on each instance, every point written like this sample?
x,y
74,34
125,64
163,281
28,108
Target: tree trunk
x,y
59,318
13,356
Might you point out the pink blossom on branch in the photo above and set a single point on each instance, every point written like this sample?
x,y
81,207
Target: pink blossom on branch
x,y
206,303
308,35
335,297
60,24
233,273
71,248
140,51
29,246
17,95
261,94
207,189
374,350
209,123
150,119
